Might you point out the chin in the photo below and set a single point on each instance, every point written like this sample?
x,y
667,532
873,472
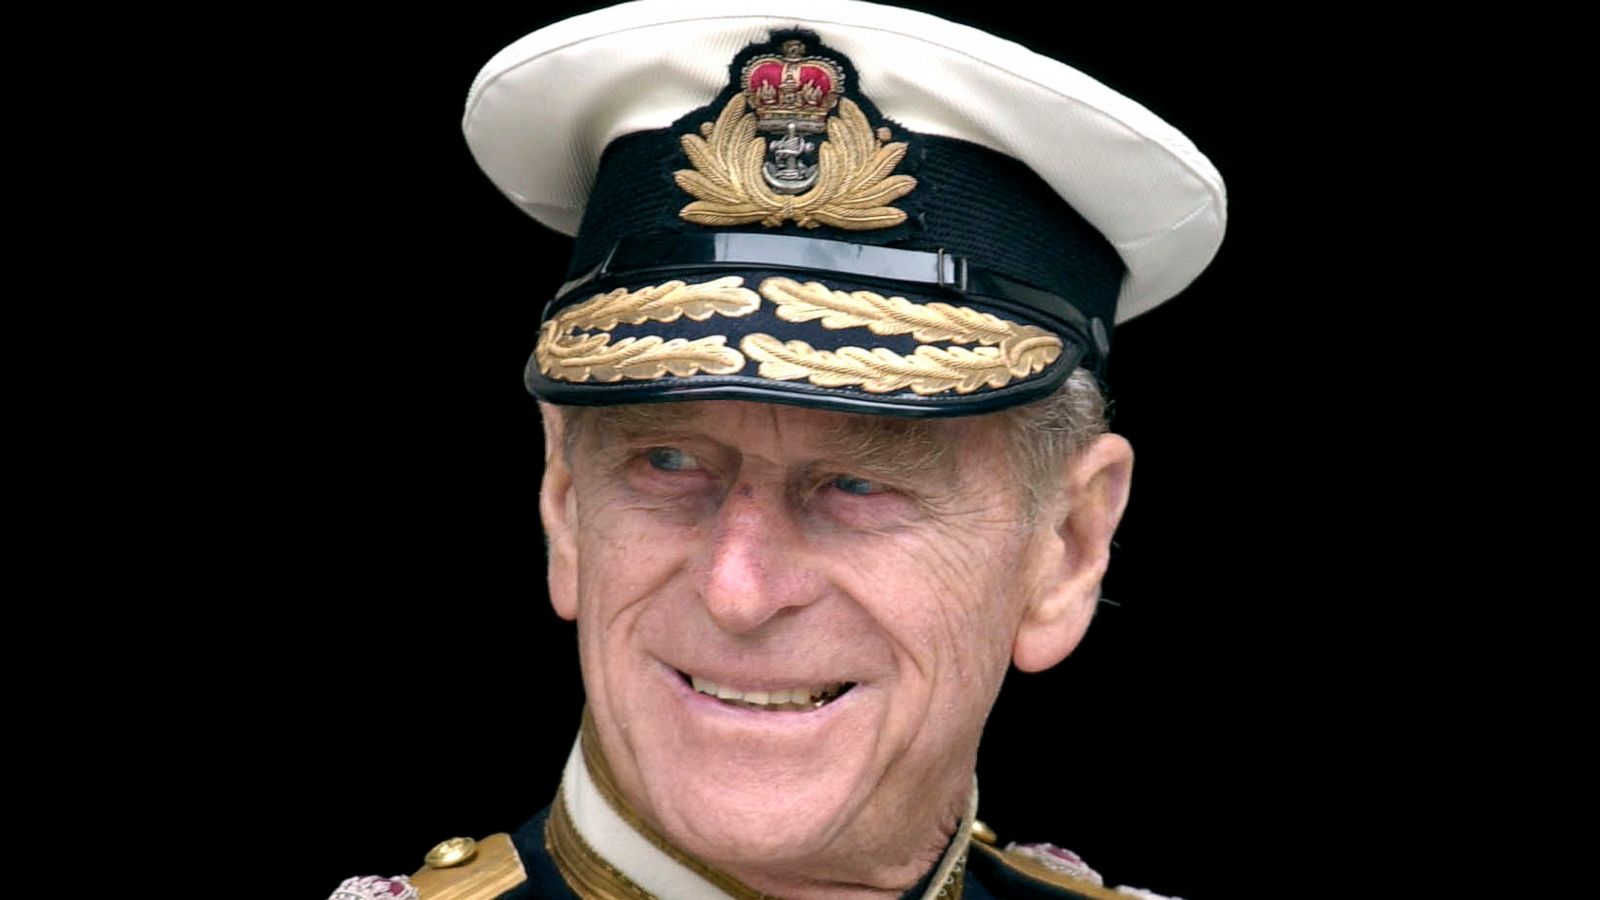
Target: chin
x,y
746,821
739,787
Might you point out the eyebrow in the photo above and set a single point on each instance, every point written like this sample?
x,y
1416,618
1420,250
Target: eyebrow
x,y
874,445
892,448
628,422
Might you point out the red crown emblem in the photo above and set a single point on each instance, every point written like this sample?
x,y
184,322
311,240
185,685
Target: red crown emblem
x,y
793,89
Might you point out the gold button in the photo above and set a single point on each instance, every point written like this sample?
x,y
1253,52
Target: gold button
x,y
983,833
453,852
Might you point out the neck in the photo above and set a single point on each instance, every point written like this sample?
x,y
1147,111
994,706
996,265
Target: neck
x,y
605,850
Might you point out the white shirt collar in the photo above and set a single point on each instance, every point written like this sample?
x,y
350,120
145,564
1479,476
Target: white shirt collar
x,y
646,865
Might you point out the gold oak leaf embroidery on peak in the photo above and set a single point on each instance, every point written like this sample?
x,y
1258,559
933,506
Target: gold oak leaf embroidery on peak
x,y
1008,350
575,345
852,191
566,355
926,322
928,370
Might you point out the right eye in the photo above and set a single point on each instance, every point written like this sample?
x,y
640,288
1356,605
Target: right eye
x,y
671,459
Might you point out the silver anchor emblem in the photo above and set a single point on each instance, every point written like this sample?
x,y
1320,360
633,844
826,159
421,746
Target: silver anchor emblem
x,y
787,173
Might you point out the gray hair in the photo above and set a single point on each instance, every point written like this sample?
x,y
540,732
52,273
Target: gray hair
x,y
1049,431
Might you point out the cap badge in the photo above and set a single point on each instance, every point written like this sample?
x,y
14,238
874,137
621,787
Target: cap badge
x,y
758,161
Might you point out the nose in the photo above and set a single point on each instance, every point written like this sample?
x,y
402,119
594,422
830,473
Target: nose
x,y
757,564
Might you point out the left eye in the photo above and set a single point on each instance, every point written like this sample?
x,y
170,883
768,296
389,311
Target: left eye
x,y
861,487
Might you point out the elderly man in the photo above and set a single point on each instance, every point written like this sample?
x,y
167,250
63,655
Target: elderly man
x,y
826,449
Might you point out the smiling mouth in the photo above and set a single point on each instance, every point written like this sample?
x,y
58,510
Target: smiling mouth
x,y
801,699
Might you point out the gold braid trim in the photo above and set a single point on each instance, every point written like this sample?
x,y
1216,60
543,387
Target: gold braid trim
x,y
585,871
926,322
566,356
853,185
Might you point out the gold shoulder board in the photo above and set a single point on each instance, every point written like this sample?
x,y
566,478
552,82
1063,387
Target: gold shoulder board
x,y
1016,862
492,868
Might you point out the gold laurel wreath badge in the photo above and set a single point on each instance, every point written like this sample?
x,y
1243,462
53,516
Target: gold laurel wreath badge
x,y
568,356
853,188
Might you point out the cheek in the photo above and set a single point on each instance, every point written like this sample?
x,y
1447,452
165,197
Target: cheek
x,y
626,554
949,598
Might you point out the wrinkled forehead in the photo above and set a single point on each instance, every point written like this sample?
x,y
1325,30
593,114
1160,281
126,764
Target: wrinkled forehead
x,y
885,443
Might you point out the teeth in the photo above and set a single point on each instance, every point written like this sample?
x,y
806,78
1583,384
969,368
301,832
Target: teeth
x,y
782,699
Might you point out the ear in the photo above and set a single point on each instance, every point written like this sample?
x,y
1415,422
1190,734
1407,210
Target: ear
x,y
558,512
1072,554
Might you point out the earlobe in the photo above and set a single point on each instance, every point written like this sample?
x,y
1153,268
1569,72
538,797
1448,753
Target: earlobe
x,y
1071,557
558,512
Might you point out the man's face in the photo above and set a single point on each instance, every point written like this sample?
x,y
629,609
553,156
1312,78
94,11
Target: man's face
x,y
849,587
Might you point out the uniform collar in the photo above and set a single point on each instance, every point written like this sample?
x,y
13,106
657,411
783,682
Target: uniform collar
x,y
605,851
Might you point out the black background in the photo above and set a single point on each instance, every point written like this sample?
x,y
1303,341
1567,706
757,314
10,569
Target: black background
x,y
1327,672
